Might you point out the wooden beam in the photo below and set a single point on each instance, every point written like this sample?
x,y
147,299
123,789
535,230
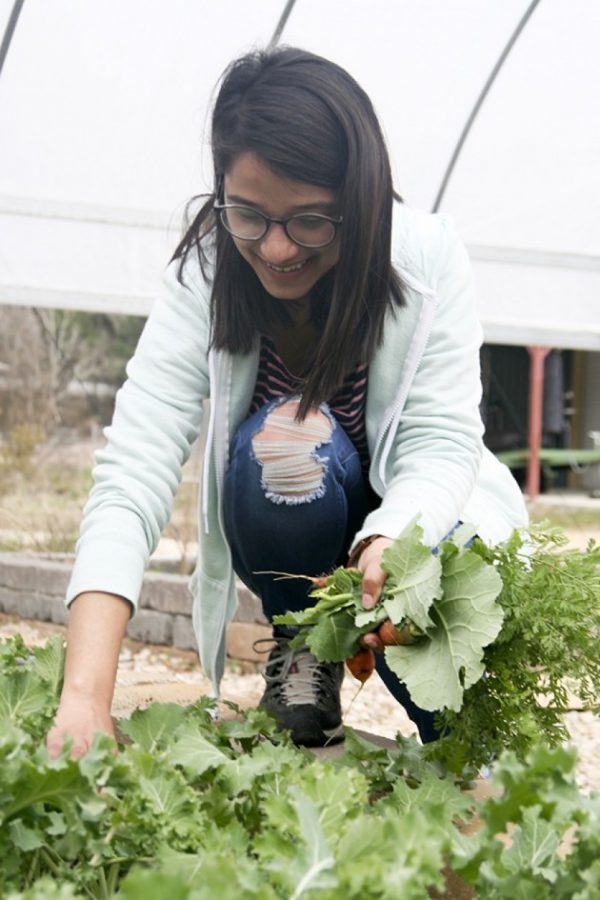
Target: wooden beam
x,y
537,356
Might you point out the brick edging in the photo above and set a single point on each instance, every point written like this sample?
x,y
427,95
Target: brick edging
x,y
34,587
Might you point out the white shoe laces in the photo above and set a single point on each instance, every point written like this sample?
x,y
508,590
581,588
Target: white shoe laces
x,y
298,673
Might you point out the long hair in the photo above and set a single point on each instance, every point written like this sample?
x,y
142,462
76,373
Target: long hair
x,y
308,120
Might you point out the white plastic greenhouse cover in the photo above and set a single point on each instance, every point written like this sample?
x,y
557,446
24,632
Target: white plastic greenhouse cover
x,y
103,128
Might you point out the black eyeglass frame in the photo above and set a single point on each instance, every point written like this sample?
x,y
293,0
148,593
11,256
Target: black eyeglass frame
x,y
270,220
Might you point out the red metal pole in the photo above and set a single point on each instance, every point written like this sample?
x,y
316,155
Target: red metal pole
x,y
537,355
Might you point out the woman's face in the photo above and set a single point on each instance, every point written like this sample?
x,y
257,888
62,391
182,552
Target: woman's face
x,y
285,270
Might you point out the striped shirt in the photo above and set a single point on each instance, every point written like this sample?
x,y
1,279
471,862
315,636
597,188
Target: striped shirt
x,y
348,405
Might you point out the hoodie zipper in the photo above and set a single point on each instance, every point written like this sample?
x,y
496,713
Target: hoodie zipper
x,y
388,430
210,433
220,397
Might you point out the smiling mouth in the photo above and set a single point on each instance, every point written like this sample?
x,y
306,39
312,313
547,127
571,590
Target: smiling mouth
x,y
285,269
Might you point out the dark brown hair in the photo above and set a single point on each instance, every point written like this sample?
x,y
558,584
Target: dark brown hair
x,y
307,119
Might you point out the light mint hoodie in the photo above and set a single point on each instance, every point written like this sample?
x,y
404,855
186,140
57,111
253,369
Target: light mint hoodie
x,y
424,430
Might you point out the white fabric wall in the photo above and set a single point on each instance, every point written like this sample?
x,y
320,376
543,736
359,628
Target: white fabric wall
x,y
103,111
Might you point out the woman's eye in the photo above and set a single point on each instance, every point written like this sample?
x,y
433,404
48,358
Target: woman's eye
x,y
248,215
310,221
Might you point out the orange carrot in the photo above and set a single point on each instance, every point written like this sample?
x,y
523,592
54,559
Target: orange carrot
x,y
319,581
391,636
362,664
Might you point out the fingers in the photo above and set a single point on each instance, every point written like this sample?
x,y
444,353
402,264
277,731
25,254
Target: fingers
x,y
56,741
374,577
372,641
79,725
80,746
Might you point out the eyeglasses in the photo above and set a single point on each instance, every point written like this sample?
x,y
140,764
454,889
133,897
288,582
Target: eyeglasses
x,y
311,230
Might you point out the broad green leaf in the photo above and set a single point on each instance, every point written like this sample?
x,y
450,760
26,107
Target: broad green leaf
x,y
292,847
292,618
58,825
47,888
360,747
345,581
59,783
49,663
239,774
401,854
99,763
25,838
155,726
195,752
373,617
344,590
335,637
282,758
338,795
225,875
533,847
466,619
166,794
216,841
312,866
546,777
414,578
253,723
436,796
23,695
144,884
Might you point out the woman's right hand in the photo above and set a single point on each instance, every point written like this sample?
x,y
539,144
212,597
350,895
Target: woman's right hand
x,y
80,718
97,623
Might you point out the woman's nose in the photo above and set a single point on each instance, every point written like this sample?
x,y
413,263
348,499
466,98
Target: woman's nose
x,y
276,247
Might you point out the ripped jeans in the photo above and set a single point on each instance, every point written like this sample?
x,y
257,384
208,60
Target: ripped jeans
x,y
294,497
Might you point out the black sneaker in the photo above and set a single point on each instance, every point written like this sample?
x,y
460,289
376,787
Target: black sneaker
x,y
303,694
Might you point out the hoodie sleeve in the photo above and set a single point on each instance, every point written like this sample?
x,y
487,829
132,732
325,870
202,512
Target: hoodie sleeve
x,y
436,448
157,417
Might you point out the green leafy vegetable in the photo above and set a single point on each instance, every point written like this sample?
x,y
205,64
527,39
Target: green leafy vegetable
x,y
464,620
414,579
505,635
546,656
195,809
450,598
335,635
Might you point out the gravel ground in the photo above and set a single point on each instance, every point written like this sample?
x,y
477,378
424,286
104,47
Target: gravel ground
x,y
149,673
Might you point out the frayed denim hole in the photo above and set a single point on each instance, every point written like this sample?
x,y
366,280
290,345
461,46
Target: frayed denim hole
x,y
323,462
254,458
296,499
266,410
325,408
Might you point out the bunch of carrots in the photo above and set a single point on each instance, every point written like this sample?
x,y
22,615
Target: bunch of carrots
x,y
362,663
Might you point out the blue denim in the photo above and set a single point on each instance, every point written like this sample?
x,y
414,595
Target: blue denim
x,y
301,536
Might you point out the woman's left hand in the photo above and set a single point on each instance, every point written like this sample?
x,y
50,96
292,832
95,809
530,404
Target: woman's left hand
x,y
369,563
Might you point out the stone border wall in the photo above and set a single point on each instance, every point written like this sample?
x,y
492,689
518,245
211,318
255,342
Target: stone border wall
x,y
34,588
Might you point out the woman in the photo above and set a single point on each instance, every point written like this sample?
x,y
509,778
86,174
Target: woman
x,y
334,332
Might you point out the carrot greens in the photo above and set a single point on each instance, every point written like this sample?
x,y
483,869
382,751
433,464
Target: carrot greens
x,y
448,599
507,637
